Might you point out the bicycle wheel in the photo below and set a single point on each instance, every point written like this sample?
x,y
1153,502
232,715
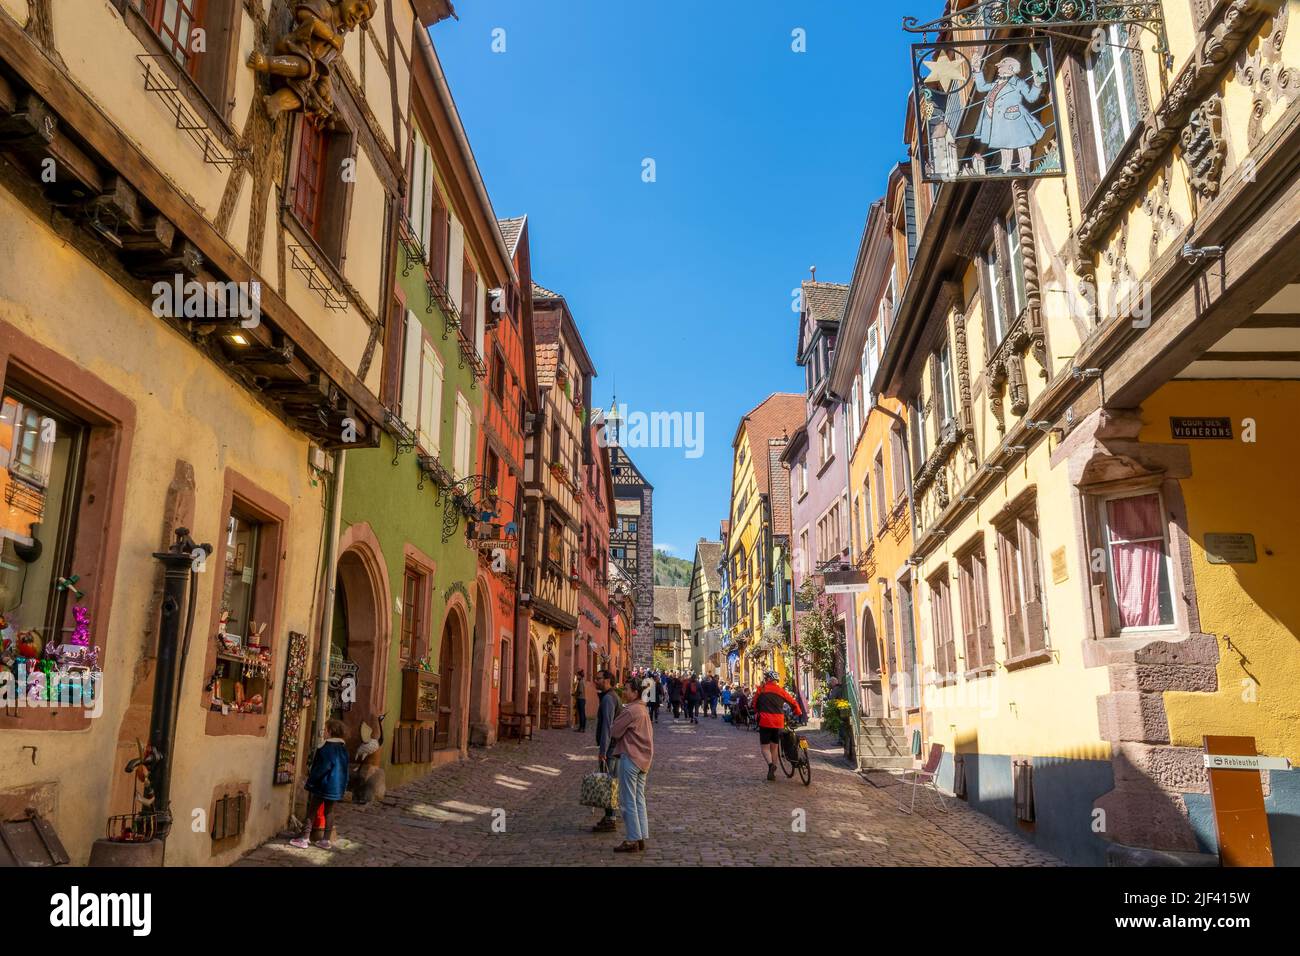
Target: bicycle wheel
x,y
786,766
805,765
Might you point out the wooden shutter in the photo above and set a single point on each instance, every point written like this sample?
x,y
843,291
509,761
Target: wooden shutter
x,y
431,381
1034,616
1008,558
468,297
1022,784
439,240
968,625
410,390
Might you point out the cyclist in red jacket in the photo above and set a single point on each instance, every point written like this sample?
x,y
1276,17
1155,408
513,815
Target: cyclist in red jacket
x,y
769,704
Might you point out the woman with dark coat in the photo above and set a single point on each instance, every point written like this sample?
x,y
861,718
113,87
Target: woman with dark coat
x,y
675,696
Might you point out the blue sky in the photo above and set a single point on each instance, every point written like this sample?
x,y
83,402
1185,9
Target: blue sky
x,y
766,162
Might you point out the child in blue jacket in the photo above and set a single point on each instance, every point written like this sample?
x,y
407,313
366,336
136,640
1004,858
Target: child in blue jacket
x,y
326,783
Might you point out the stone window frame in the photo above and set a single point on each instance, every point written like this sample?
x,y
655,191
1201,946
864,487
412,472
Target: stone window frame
x,y
1092,497
940,600
212,94
253,500
1007,524
975,549
1091,179
110,418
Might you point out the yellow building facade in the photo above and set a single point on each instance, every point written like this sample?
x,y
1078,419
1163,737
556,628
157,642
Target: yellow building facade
x,y
750,538
152,164
1088,363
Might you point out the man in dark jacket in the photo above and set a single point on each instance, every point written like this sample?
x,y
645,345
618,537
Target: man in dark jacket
x,y
605,712
675,695
712,692
693,698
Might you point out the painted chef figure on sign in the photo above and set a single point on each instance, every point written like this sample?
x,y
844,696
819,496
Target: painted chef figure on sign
x,y
1006,122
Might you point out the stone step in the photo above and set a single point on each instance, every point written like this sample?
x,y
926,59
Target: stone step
x,y
870,762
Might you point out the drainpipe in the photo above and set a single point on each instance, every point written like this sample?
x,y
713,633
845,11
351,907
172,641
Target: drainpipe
x,y
178,576
851,635
328,591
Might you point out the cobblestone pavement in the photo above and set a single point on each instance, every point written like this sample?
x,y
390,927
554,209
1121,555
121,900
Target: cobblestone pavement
x,y
709,804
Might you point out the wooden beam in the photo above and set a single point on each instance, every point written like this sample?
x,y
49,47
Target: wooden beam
x,y
1258,223
1248,357
1272,320
78,112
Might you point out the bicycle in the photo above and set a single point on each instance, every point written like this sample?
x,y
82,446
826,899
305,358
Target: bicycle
x,y
793,755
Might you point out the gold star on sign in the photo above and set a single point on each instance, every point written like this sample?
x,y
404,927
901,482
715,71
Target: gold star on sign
x,y
947,71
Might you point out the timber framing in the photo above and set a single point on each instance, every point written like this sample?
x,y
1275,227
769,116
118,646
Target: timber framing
x,y
130,212
1194,306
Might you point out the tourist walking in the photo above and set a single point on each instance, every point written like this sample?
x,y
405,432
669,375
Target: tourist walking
x,y
652,690
634,746
712,692
693,698
606,711
675,695
580,701
726,700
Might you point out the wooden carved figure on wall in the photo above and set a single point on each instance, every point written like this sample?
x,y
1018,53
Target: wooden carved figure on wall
x,y
304,57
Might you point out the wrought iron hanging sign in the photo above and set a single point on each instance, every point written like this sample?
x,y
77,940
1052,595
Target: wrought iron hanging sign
x,y
983,90
986,109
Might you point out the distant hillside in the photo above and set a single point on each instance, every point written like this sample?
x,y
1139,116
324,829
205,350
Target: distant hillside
x,y
671,572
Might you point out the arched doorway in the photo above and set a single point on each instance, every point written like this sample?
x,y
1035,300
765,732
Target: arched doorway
x,y
452,714
359,639
480,690
535,683
871,689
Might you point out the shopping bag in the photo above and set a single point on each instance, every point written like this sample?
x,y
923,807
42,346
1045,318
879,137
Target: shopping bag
x,y
599,790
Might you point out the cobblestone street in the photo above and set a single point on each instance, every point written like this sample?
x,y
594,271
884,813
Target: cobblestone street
x,y
709,804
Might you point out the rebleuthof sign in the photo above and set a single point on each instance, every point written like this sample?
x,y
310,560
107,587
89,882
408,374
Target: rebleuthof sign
x,y
1200,427
986,109
1236,548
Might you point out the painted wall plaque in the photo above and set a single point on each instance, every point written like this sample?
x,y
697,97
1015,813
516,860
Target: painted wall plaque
x,y
986,109
1060,571
1235,548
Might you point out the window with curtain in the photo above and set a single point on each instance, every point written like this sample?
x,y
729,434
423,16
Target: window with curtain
x,y
1138,555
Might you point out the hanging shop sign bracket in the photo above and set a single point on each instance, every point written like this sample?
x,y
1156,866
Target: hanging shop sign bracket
x,y
1044,15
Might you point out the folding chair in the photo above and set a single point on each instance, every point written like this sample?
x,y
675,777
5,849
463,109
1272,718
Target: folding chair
x,y
924,778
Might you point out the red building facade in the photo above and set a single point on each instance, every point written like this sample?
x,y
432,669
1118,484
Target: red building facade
x,y
595,635
508,394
